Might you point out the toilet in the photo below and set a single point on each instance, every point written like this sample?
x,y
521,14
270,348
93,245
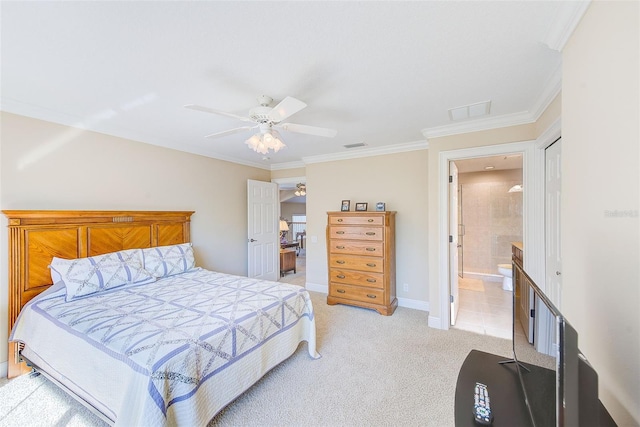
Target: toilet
x,y
507,281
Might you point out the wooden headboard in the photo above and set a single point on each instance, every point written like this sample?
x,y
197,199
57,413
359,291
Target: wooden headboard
x,y
35,237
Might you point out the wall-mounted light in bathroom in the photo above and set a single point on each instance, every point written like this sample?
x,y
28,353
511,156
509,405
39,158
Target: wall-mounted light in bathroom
x,y
516,189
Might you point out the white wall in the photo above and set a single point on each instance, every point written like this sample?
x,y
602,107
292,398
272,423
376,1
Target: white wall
x,y
600,199
399,180
50,166
492,219
288,209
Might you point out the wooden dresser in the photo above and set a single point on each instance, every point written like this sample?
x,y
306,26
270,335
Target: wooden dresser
x,y
361,254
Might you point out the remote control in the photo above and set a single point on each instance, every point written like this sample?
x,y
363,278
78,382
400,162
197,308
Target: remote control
x,y
481,405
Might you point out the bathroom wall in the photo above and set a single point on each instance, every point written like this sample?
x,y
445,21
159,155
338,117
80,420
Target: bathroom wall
x,y
492,219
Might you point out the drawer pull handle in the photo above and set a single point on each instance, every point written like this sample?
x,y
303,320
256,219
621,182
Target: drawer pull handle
x,y
339,247
339,261
339,232
370,264
340,291
339,219
371,280
371,296
340,276
371,233
371,249
370,220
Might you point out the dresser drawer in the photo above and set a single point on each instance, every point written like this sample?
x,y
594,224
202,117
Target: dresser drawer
x,y
356,233
374,296
356,220
356,248
354,262
358,278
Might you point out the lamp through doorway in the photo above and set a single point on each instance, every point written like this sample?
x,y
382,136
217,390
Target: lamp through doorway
x,y
284,227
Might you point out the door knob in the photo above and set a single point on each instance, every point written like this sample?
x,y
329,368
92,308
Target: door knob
x,y
558,273
252,240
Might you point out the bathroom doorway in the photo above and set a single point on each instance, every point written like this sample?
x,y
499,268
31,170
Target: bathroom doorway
x,y
490,206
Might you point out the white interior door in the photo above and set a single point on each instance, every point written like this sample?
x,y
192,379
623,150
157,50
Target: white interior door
x,y
263,208
460,235
553,262
453,239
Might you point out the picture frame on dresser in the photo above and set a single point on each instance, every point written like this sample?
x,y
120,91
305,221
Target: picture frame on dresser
x,y
346,204
361,207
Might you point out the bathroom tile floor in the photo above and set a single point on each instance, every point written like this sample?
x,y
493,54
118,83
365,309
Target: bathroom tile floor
x,y
485,308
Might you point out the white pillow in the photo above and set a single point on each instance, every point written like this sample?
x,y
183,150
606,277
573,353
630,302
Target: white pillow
x,y
164,261
87,276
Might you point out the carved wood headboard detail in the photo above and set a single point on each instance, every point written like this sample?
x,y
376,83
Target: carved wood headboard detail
x,y
35,237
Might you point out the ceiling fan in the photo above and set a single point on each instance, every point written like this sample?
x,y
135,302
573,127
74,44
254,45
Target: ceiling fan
x,y
267,120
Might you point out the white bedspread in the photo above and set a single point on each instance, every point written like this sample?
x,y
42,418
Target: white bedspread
x,y
172,352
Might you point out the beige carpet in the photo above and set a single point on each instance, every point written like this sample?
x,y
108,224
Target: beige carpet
x,y
374,371
471,284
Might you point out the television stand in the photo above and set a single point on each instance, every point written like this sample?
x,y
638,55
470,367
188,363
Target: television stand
x,y
504,362
507,400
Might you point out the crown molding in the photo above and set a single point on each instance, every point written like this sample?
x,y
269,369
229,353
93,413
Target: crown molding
x,y
368,152
551,90
287,165
505,120
550,135
92,124
567,19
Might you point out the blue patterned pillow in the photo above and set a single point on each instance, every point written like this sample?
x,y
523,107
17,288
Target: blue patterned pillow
x,y
164,261
86,276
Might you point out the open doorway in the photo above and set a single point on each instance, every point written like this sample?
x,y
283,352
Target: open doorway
x,y
490,220
293,225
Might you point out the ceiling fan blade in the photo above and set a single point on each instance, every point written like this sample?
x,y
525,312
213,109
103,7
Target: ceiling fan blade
x,y
230,132
212,111
310,130
285,108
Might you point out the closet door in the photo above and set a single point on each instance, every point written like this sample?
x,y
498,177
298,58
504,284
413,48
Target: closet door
x,y
454,246
553,263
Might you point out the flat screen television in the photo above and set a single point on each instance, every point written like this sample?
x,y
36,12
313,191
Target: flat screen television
x,y
548,361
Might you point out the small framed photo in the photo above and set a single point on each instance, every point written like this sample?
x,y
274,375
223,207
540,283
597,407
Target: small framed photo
x,y
380,206
345,205
361,207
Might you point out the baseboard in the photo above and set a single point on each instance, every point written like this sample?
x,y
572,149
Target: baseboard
x,y
4,369
413,303
482,276
323,289
436,323
402,302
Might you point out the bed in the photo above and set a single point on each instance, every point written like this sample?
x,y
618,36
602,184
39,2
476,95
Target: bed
x,y
111,306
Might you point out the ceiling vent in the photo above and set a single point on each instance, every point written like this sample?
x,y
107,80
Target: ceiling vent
x,y
356,145
470,111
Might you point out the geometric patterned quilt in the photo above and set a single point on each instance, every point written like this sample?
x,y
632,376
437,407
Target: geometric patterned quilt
x,y
181,331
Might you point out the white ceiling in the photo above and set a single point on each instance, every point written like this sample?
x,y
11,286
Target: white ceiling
x,y
382,73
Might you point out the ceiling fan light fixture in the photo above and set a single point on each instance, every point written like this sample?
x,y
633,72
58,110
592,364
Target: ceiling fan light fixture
x,y
265,118
301,190
265,141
